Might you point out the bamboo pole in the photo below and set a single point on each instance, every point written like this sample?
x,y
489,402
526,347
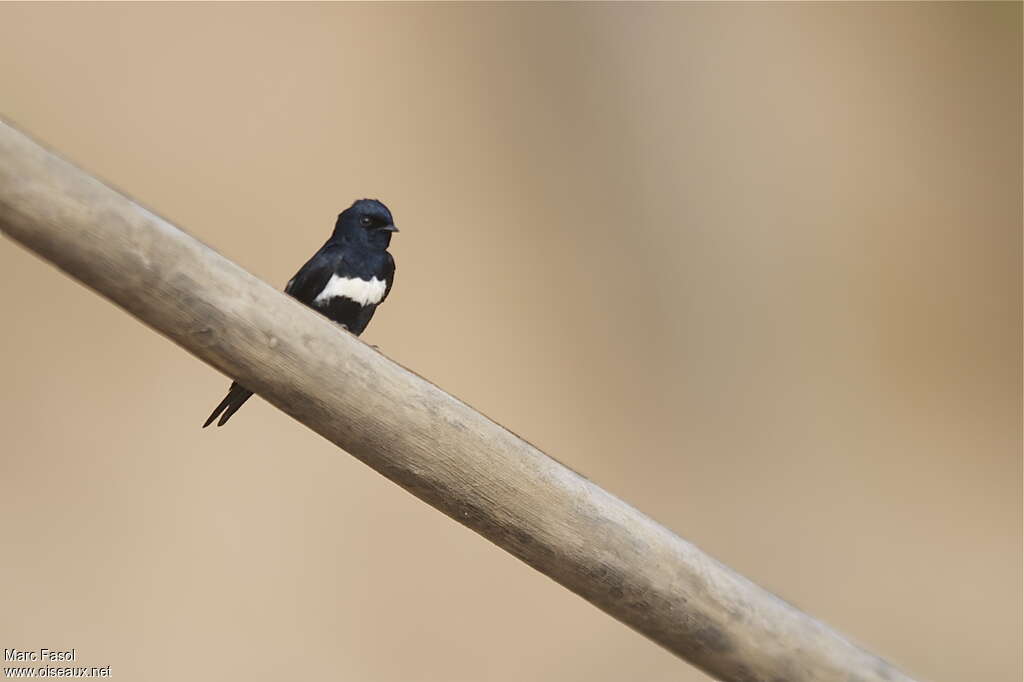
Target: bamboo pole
x,y
431,444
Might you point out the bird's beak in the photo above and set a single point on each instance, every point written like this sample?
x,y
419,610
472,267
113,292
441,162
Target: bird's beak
x,y
389,228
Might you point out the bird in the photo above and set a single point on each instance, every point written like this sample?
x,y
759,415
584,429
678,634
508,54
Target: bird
x,y
345,280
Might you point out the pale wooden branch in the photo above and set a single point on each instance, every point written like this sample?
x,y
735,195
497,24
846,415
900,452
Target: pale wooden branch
x,y
430,443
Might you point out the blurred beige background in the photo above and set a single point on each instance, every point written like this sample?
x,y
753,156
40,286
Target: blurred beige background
x,y
754,268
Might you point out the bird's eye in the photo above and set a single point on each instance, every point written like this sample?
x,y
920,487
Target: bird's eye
x,y
365,221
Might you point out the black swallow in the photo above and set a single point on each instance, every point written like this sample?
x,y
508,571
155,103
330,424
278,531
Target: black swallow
x,y
345,280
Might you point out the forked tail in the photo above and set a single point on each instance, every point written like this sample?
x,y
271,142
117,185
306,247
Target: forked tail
x,y
235,398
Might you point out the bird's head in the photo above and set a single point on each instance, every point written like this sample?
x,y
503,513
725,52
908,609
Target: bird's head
x,y
368,222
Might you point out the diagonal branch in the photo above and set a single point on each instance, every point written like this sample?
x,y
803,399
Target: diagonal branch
x,y
431,444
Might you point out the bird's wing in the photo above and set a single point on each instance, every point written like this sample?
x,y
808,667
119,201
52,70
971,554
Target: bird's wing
x,y
312,277
389,276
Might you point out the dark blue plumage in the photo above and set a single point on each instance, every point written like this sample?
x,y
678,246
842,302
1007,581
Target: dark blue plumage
x,y
345,280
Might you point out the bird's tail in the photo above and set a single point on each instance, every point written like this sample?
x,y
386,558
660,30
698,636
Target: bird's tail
x,y
235,398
